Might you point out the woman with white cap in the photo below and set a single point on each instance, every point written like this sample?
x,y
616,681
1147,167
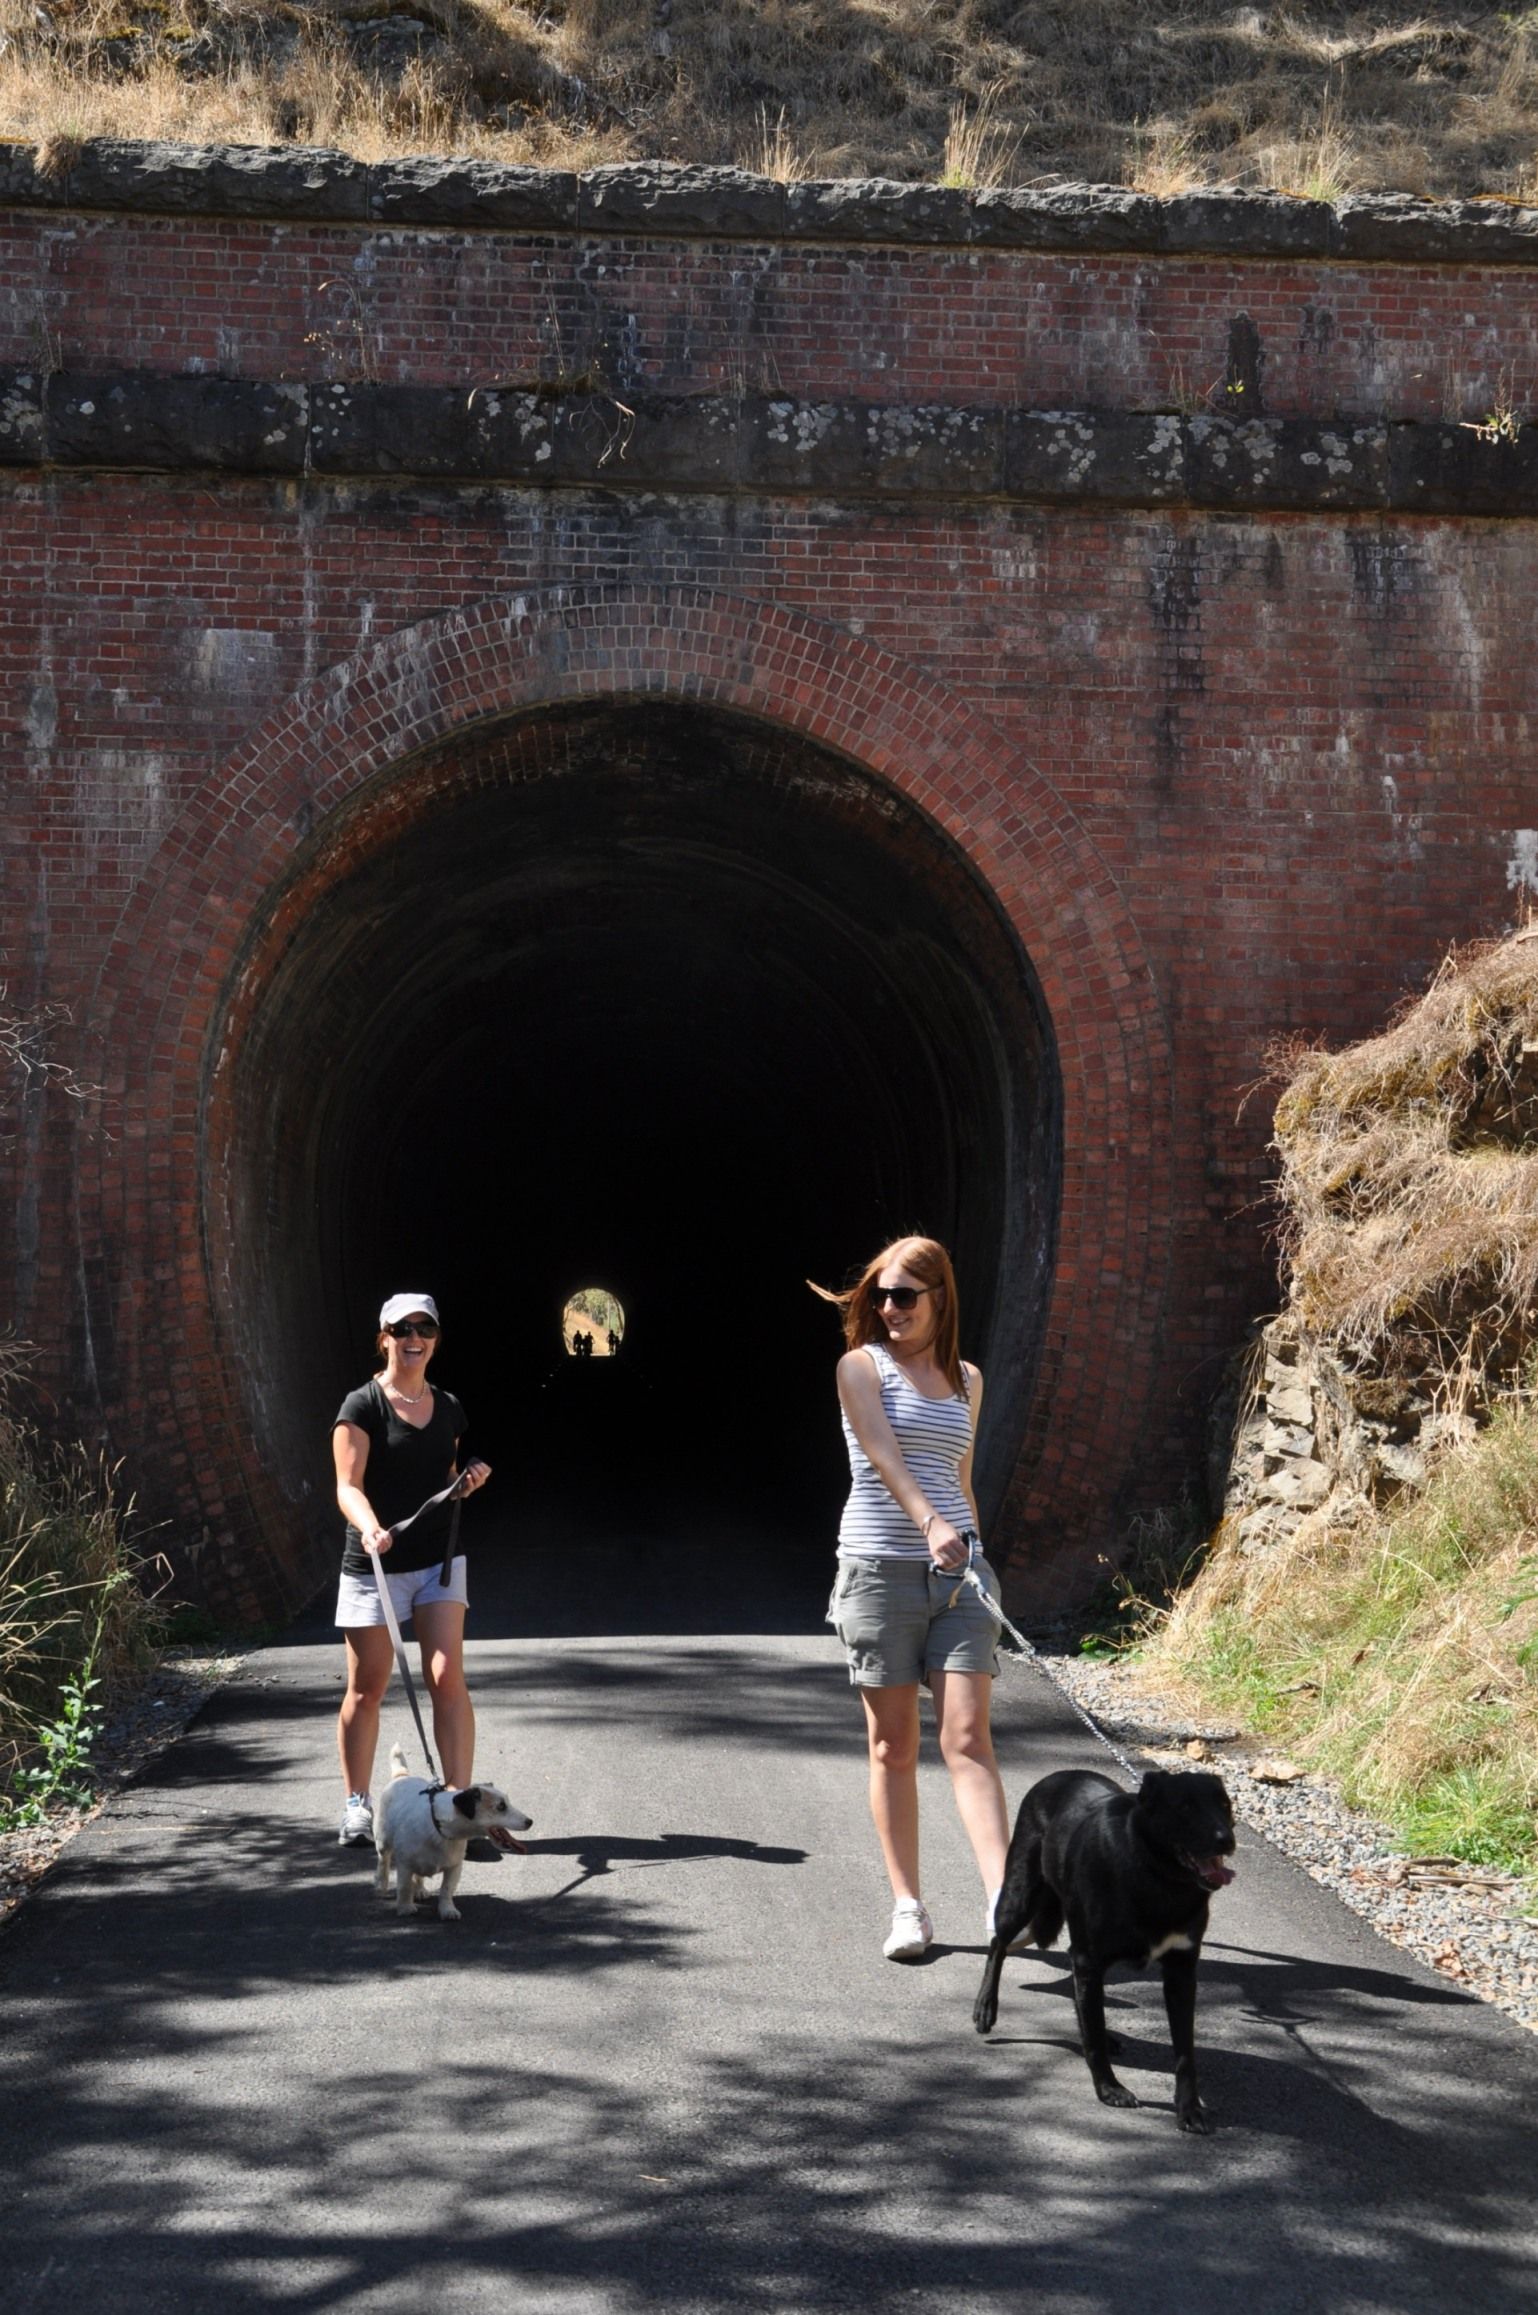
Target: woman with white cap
x,y
395,1442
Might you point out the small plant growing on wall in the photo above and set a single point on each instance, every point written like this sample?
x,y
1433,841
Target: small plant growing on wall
x,y
1505,418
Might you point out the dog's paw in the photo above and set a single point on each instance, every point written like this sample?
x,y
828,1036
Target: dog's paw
x,y
985,2017
1196,2121
1113,2094
448,1911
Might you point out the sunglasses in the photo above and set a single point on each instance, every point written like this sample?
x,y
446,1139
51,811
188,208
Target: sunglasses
x,y
427,1328
900,1297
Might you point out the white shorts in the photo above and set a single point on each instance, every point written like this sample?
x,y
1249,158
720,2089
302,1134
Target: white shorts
x,y
358,1601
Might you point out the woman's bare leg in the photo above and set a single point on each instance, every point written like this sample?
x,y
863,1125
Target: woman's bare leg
x,y
892,1731
440,1631
369,1658
962,1702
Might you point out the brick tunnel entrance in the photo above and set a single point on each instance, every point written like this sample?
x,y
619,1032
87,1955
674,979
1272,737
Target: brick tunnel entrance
x,y
650,996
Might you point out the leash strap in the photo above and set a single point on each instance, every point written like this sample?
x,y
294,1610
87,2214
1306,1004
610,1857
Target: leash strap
x,y
969,1575
452,1546
453,1496
392,1621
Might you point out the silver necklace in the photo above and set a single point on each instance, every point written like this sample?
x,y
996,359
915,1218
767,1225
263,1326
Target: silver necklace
x,y
396,1392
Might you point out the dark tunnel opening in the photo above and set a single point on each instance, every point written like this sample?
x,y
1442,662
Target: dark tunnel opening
x,y
657,998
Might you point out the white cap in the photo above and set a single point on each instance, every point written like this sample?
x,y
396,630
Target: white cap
x,y
408,1306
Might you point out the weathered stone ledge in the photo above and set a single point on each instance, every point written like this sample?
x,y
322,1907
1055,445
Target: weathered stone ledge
x,y
644,199
1314,1433
146,421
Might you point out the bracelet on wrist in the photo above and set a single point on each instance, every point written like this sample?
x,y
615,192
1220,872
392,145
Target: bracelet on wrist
x,y
926,1524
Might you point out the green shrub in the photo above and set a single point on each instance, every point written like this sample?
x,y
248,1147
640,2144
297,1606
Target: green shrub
x,y
75,1615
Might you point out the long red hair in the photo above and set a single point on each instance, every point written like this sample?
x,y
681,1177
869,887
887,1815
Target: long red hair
x,y
927,1264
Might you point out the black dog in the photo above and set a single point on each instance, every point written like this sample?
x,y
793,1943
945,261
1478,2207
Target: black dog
x,y
1131,1873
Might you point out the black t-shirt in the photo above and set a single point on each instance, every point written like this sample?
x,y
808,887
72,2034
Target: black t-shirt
x,y
405,1466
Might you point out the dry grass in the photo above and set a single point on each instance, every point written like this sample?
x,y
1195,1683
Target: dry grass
x,y
1316,97
1399,1654
72,1603
981,141
1410,1175
772,151
1322,163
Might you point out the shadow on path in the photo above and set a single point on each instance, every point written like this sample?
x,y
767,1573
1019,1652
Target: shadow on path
x,y
660,2062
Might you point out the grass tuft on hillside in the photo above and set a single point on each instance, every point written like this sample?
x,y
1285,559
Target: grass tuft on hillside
x,y
1309,98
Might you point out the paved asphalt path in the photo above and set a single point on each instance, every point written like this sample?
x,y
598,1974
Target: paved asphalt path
x,y
661,2061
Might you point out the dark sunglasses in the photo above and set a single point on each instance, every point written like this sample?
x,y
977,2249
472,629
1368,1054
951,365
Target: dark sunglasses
x,y
901,1297
427,1328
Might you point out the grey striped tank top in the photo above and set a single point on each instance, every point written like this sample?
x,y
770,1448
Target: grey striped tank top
x,y
934,1435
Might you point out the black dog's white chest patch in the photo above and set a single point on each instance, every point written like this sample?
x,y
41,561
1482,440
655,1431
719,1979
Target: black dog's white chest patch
x,y
1176,1942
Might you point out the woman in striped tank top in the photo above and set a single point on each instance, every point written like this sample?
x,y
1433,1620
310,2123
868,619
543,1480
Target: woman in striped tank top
x,y
910,1407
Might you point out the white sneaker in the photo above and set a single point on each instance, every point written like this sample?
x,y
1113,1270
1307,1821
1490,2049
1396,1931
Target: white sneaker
x,y
910,1933
357,1827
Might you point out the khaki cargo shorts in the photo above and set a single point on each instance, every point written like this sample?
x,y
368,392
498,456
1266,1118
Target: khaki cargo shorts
x,y
902,1619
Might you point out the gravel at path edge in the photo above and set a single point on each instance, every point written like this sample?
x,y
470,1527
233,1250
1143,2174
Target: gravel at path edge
x,y
1465,1925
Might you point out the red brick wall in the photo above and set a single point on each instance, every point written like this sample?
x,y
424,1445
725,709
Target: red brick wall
x,y
258,300
1232,775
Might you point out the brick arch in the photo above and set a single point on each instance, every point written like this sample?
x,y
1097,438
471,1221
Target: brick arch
x,y
185,937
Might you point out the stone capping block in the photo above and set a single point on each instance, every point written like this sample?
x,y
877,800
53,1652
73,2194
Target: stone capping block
x,y
1286,462
861,447
1252,224
761,444
657,198
194,180
367,429
424,191
175,424
1128,457
662,441
502,434
1396,229
1065,217
1108,217
876,209
1438,468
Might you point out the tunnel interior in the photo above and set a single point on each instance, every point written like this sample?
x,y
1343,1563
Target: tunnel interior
x,y
658,998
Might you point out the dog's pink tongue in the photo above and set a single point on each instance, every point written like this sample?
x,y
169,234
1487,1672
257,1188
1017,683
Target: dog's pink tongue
x,y
1216,1874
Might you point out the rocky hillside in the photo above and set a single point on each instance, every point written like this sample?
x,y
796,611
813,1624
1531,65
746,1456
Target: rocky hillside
x,y
1370,1598
1310,97
1409,1185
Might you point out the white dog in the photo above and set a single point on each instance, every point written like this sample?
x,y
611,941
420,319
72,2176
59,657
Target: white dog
x,y
421,1829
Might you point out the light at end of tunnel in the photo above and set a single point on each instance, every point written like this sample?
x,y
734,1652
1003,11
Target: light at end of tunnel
x,y
592,1323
